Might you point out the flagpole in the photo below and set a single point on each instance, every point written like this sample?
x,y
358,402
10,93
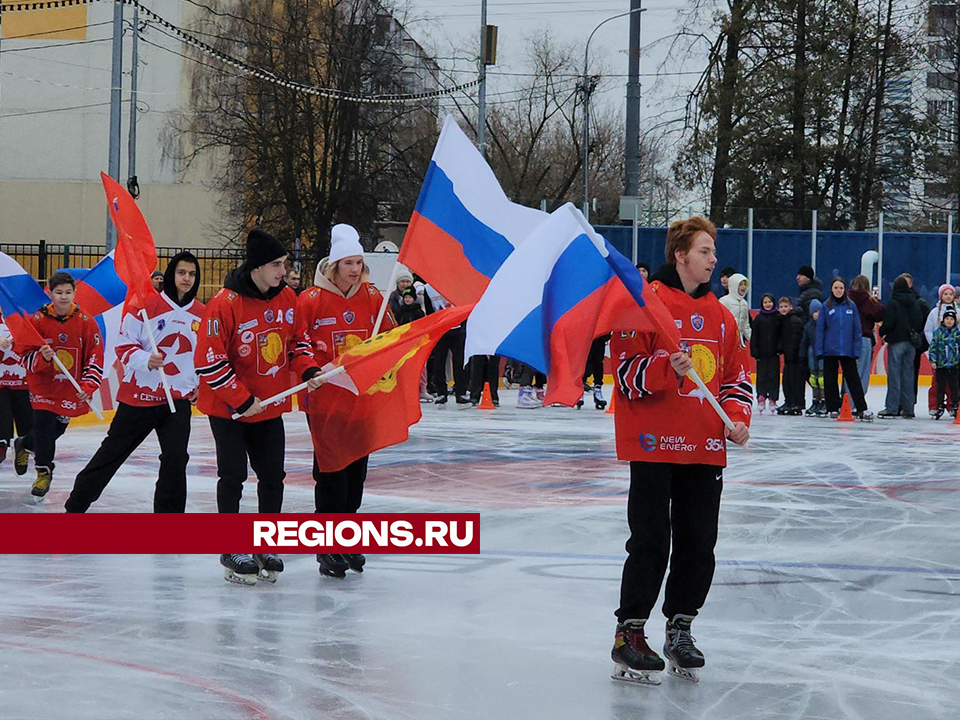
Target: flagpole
x,y
76,385
156,351
296,388
386,297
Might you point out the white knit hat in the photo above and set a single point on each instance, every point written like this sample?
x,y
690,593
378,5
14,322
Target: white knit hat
x,y
344,242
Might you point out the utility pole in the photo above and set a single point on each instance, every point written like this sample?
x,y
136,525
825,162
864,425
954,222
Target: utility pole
x,y
632,149
482,101
132,185
116,100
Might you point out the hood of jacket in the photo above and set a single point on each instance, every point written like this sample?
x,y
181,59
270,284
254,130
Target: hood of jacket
x,y
324,283
668,275
733,283
170,279
240,282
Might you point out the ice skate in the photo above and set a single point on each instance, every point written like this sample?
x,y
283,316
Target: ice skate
x,y
41,486
634,660
441,400
683,658
333,566
426,397
21,456
463,402
865,416
526,399
598,400
356,562
270,567
541,394
937,414
240,569
812,410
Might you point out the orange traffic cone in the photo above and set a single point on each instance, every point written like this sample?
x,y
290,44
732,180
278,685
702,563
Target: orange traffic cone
x,y
956,420
485,402
845,414
610,410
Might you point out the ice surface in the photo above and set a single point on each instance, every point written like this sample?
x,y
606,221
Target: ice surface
x,y
835,596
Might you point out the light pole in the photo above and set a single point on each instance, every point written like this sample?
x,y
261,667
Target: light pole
x,y
587,90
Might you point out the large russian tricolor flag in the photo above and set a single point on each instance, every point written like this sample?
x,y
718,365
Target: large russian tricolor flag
x,y
463,227
564,286
20,297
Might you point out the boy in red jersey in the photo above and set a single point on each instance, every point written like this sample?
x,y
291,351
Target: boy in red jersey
x,y
73,338
676,445
245,352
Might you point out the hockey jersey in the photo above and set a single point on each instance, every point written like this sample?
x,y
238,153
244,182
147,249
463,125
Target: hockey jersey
x,y
12,373
75,338
175,330
246,349
661,418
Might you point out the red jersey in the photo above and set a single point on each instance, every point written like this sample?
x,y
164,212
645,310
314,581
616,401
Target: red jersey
x,y
246,349
175,330
75,338
660,418
12,373
328,322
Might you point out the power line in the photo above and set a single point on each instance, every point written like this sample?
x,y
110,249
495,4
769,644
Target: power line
x,y
57,45
58,30
55,110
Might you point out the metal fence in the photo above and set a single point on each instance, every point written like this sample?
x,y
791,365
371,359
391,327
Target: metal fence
x,y
41,259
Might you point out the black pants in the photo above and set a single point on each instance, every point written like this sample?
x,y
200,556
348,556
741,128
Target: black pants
x,y
42,440
670,500
831,385
594,364
263,443
130,427
452,342
794,382
15,408
530,377
948,378
484,370
340,491
768,377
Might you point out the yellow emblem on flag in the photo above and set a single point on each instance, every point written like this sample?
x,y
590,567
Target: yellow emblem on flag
x,y
377,342
704,362
388,382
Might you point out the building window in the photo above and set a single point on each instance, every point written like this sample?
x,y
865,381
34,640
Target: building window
x,y
941,112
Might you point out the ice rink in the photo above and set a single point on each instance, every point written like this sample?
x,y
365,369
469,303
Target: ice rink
x,y
837,591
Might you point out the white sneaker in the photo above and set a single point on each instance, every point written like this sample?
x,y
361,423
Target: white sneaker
x,y
426,397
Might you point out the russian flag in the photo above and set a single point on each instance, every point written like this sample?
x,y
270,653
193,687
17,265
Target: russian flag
x,y
463,227
20,297
562,288
99,288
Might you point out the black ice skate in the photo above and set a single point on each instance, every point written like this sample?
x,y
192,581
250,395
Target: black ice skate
x,y
270,567
812,410
865,416
333,565
598,400
356,562
938,413
240,569
682,655
635,661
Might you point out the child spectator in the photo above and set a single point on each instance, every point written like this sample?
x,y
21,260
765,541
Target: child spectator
x,y
735,302
814,364
944,357
764,347
794,364
409,309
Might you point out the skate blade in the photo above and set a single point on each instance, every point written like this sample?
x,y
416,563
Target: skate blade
x,y
331,574
637,677
270,576
691,674
238,579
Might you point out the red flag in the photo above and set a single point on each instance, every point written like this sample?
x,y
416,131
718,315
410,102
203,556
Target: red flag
x,y
136,254
386,371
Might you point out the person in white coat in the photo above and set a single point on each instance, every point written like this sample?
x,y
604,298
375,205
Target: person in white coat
x,y
735,301
948,299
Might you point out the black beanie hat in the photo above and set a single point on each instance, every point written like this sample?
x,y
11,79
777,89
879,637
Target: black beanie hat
x,y
806,271
949,312
263,248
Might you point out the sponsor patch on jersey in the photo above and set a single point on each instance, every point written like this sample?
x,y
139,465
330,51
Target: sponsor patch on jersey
x,y
289,316
231,296
248,325
349,316
696,320
268,315
321,346
244,350
247,337
161,324
62,337
195,326
679,324
313,293
325,321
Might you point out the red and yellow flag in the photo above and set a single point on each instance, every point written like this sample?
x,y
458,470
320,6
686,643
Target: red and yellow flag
x,y
385,370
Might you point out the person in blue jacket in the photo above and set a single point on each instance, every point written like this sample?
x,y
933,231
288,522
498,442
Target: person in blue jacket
x,y
838,342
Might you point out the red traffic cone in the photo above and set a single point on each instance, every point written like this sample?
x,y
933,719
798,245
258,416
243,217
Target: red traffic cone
x,y
845,414
486,403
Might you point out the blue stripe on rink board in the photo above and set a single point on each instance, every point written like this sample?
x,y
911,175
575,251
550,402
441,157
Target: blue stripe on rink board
x,y
484,248
740,563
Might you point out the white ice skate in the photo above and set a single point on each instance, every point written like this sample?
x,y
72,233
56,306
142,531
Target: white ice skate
x,y
625,673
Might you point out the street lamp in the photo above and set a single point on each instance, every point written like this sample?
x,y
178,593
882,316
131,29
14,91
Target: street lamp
x,y
587,90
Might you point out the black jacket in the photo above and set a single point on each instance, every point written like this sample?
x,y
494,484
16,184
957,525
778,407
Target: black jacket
x,y
902,315
765,340
808,293
409,313
791,336
668,275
